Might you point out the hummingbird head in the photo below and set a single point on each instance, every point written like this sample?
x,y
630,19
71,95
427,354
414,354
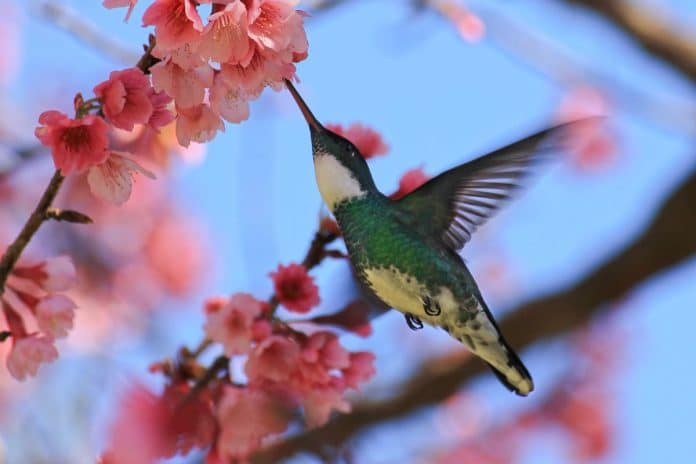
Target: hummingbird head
x,y
341,170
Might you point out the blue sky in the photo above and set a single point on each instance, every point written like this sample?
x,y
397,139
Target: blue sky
x,y
438,101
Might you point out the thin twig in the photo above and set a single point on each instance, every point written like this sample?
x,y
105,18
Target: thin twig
x,y
14,251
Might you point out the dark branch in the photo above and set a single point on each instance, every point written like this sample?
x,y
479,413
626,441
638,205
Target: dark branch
x,y
651,30
14,251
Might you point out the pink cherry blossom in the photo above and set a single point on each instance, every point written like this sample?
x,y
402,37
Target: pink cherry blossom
x,y
125,98
176,22
276,26
274,359
320,401
191,421
231,324
367,140
410,181
197,124
228,100
161,116
29,283
54,315
186,86
28,353
29,292
247,416
294,288
148,426
361,369
324,348
137,435
314,370
120,3
112,180
225,38
253,77
52,274
76,144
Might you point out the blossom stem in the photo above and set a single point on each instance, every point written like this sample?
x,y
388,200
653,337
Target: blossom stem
x,y
221,363
13,252
202,346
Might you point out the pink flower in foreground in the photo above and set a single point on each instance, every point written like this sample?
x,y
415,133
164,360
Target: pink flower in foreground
x,y
53,274
29,291
176,22
149,427
315,371
276,26
191,423
76,144
125,98
137,436
410,181
29,283
120,3
367,140
186,86
274,359
320,401
360,369
247,416
225,37
197,124
161,116
228,100
112,180
28,353
54,315
232,324
294,288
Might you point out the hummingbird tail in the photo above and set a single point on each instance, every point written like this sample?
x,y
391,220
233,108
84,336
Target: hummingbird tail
x,y
482,335
515,377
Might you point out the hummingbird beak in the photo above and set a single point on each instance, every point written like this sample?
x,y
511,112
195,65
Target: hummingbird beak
x,y
313,122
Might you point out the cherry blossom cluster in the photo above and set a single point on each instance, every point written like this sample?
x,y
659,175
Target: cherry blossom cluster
x,y
282,369
36,312
82,144
213,69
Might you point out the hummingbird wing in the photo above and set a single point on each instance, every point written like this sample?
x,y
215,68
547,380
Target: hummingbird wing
x,y
453,204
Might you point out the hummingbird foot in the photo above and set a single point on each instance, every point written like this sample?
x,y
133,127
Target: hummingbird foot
x,y
413,322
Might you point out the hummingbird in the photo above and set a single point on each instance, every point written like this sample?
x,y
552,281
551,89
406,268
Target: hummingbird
x,y
405,251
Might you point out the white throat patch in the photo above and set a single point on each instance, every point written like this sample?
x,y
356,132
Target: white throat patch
x,y
336,182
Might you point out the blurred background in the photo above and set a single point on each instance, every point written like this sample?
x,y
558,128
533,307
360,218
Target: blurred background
x,y
591,270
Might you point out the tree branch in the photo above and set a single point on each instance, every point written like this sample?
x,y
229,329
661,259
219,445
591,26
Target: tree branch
x,y
14,251
666,242
651,30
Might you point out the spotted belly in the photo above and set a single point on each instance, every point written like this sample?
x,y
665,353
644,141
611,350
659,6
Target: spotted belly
x,y
405,293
